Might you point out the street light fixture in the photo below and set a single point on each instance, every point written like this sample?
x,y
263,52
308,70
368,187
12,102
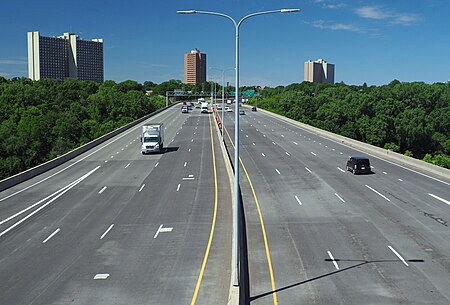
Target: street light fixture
x,y
236,206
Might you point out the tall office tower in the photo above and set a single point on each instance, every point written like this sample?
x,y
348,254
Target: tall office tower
x,y
194,67
318,71
64,56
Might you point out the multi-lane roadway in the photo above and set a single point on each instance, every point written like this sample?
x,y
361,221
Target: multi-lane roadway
x,y
318,234
113,226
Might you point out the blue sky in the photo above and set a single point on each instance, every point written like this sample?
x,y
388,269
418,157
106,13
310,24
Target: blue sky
x,y
372,41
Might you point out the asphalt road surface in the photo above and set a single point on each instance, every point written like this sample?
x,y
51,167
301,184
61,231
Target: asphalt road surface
x,y
113,226
317,234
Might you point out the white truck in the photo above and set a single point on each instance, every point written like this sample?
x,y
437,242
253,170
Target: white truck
x,y
152,138
204,108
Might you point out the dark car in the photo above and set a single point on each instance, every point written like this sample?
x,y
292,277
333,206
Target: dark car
x,y
254,108
359,165
241,112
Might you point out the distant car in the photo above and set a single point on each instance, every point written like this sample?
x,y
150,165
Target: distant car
x,y
254,108
241,112
219,107
359,165
184,109
228,109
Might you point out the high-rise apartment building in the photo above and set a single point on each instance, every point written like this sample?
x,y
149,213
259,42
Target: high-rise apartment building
x,y
319,71
64,56
194,67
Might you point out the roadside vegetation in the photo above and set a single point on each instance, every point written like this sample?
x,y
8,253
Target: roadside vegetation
x,y
40,120
409,118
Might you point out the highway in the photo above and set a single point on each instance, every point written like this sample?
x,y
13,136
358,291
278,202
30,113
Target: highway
x,y
318,234
113,226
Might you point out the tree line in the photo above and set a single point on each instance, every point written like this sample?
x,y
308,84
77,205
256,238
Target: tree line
x,y
40,120
409,118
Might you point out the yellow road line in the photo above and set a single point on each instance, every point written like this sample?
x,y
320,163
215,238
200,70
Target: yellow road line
x,y
211,234
263,229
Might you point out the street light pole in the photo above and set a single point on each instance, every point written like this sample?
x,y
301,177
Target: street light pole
x,y
223,94
236,206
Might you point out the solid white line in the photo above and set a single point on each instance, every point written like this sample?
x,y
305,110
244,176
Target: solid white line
x,y
185,163
143,185
35,204
341,169
51,235
287,153
107,230
102,190
333,260
188,178
278,171
398,255
439,198
157,232
378,193
263,154
340,198
308,170
157,163
313,154
127,165
298,200
178,187
46,204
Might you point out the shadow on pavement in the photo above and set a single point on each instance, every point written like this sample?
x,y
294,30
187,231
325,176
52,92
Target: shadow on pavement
x,y
362,262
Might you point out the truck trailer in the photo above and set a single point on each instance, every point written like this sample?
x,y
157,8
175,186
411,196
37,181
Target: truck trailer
x,y
204,108
152,138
